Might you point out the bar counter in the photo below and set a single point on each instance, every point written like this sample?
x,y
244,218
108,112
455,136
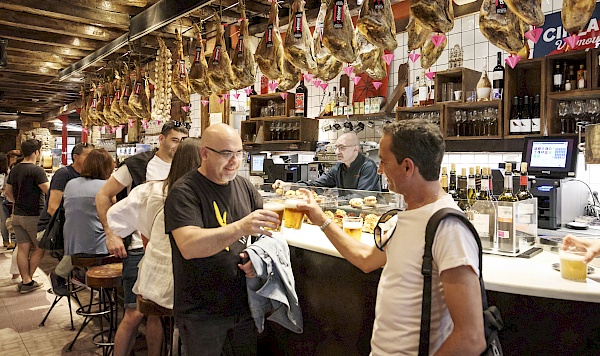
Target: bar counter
x,y
543,313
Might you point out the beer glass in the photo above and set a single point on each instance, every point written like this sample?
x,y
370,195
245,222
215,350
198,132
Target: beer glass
x,y
292,217
277,207
572,266
353,226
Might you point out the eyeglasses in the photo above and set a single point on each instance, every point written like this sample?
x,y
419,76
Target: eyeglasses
x,y
342,147
228,154
385,228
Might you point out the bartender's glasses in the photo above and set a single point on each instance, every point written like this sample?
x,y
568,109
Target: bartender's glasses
x,y
385,227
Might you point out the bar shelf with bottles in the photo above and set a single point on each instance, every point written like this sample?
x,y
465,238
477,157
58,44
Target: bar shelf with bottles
x,y
271,105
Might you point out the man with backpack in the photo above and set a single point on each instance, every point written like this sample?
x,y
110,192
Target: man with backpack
x,y
411,153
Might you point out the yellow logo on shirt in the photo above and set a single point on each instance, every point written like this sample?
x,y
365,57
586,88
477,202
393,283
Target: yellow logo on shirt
x,y
221,219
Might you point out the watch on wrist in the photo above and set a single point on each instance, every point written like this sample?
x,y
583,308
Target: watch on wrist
x,y
325,224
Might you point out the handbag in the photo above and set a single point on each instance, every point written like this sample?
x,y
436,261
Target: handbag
x,y
492,320
53,239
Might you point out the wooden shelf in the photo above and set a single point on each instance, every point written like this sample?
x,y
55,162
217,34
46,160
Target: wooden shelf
x,y
358,117
434,107
273,118
474,104
259,101
464,79
306,132
575,94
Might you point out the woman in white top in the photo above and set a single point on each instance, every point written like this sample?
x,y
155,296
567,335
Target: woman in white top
x,y
143,210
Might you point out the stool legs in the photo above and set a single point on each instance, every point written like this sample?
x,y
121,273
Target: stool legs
x,y
72,294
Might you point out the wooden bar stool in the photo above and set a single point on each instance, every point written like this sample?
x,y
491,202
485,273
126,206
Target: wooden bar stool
x,y
105,279
148,307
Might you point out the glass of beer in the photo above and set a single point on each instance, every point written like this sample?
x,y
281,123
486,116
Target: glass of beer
x,y
277,207
353,226
292,217
572,266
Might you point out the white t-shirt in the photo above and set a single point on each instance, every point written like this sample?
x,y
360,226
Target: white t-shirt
x,y
157,169
398,308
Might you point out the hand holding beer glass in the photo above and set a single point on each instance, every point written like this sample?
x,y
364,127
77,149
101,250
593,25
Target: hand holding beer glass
x,y
292,216
572,264
278,208
353,226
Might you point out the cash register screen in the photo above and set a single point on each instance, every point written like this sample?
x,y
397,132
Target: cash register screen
x,y
257,164
550,156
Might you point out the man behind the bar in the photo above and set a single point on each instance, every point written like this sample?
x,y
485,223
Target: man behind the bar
x,y
411,152
210,214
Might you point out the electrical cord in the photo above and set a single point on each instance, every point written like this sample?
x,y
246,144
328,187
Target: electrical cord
x,y
594,208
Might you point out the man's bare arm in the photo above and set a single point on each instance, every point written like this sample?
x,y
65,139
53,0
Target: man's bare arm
x,y
8,192
54,201
104,200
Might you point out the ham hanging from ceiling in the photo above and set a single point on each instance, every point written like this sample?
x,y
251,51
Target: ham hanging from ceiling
x,y
298,45
242,60
83,114
505,31
430,53
328,67
219,66
138,101
199,71
180,82
377,24
290,77
269,53
115,107
338,32
437,15
576,14
368,53
417,33
530,11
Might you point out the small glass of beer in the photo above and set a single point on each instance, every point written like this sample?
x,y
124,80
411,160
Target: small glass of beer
x,y
277,207
572,266
353,226
292,217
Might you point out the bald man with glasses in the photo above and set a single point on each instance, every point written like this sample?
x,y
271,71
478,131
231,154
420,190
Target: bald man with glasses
x,y
353,170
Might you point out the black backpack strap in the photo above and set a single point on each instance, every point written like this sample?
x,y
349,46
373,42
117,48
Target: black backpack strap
x,y
427,268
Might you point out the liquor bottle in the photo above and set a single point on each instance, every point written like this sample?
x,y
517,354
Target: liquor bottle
x,y
452,182
342,102
444,179
334,101
565,75
524,192
431,99
581,77
506,238
423,91
498,79
526,116
463,194
416,91
484,213
570,82
477,179
471,187
557,78
264,84
301,102
515,118
535,116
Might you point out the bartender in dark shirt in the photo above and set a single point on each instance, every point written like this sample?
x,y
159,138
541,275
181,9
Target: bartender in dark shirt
x,y
353,170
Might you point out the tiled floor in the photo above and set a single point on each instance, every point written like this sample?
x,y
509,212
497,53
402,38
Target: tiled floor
x,y
21,314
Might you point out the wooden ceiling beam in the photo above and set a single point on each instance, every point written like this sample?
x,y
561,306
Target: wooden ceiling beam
x,y
63,110
67,53
35,94
47,38
111,6
33,81
71,12
20,57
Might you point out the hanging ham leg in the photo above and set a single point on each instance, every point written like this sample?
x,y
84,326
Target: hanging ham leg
x,y
328,67
504,31
269,53
242,60
377,24
180,84
298,46
437,15
529,11
290,77
338,31
138,101
199,71
430,53
219,67
575,14
417,33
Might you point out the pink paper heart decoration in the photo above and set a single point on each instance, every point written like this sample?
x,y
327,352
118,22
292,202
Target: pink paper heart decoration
x,y
388,58
158,122
273,85
377,85
316,83
248,91
414,56
356,80
534,34
438,40
324,85
430,75
307,77
120,126
186,108
512,60
145,122
225,96
107,127
131,123
113,130
236,95
572,41
283,95
348,70
221,100
87,131
204,102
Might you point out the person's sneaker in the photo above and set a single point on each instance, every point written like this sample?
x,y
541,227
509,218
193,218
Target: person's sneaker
x,y
19,285
30,288
15,280
59,284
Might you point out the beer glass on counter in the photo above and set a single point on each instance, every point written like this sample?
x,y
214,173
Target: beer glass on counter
x,y
277,207
572,266
353,226
292,217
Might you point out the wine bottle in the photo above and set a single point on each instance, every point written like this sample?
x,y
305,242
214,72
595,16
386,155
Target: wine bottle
x,y
423,91
508,194
506,229
444,179
477,179
557,78
581,77
471,187
343,102
301,100
452,182
535,116
498,79
570,81
334,102
463,194
484,213
524,192
515,118
526,116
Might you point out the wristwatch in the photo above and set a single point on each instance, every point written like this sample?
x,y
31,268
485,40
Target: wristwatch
x,y
325,224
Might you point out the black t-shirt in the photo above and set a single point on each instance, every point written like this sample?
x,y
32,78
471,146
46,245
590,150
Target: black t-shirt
x,y
59,182
25,179
211,286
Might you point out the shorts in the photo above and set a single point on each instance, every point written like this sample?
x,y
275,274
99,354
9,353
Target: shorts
x,y
232,335
130,273
25,228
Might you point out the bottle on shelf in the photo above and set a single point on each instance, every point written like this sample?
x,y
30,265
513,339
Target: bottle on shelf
x,y
301,100
415,98
570,83
471,186
444,179
484,213
524,192
463,193
423,91
342,102
526,116
565,75
505,212
452,182
498,79
508,194
478,179
484,86
581,77
515,118
334,102
431,99
557,78
535,116
328,109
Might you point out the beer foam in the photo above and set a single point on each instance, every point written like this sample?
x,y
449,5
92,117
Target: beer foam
x,y
352,224
571,255
273,206
292,203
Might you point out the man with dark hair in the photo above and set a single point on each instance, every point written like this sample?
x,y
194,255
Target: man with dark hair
x,y
135,170
26,186
411,153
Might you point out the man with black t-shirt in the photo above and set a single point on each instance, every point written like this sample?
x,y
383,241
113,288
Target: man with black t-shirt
x,y
26,186
210,214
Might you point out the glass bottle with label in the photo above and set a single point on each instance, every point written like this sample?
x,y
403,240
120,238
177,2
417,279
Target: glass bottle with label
x,y
423,91
524,192
515,118
463,193
526,116
471,187
342,102
570,82
498,79
557,78
535,116
452,182
334,102
581,77
505,213
477,179
444,179
484,213
300,99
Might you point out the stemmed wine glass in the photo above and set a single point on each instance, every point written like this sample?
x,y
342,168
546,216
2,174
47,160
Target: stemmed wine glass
x,y
577,110
563,108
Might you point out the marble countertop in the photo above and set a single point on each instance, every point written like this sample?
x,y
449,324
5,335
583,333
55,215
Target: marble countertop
x,y
526,276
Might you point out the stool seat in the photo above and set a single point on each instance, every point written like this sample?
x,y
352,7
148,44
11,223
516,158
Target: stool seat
x,y
105,276
148,307
87,262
